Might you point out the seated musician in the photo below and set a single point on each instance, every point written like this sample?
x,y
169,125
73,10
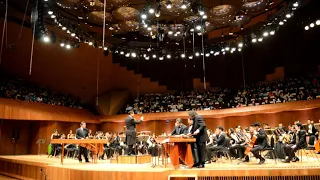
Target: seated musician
x,y
180,128
282,128
209,144
261,141
59,146
90,136
115,144
152,145
300,143
236,148
70,135
54,135
99,135
142,146
220,144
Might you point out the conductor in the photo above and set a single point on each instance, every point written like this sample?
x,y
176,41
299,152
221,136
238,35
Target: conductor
x,y
131,135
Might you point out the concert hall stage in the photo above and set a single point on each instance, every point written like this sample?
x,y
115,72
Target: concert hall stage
x,y
41,167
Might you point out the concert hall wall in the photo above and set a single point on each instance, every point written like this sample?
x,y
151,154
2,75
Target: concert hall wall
x,y
26,134
71,71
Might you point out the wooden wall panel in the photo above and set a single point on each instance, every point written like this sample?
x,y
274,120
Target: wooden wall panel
x,y
22,110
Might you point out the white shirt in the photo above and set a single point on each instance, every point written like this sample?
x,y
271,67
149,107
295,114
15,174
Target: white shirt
x,y
190,128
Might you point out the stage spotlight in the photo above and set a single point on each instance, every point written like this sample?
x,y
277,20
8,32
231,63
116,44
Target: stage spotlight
x,y
197,54
161,58
288,16
143,16
62,44
154,56
149,28
169,6
68,46
306,28
198,27
254,40
312,25
105,48
211,52
318,22
204,16
239,49
272,32
233,49
151,11
147,57
190,57
50,12
90,43
201,13
183,55
191,30
207,54
265,34
168,56
170,32
260,39
127,55
53,16
64,28
183,6
46,38
281,23
145,25
134,54
121,52
227,48
73,34
296,4
224,53
240,44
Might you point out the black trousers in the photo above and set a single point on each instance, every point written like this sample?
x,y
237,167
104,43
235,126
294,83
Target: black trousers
x,y
312,138
195,156
290,151
83,151
130,150
255,151
201,151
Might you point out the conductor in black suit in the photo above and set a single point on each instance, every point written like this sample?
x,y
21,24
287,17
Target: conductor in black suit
x,y
180,128
131,135
82,133
199,131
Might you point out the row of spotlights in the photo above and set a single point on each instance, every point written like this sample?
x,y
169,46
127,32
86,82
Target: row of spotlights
x,y
312,25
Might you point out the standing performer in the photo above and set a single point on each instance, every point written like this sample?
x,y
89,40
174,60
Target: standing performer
x,y
131,135
199,131
82,133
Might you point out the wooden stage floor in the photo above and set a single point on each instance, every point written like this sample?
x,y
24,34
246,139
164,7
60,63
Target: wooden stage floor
x,y
41,167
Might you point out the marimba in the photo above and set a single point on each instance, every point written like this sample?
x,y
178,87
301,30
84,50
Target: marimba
x,y
93,144
178,147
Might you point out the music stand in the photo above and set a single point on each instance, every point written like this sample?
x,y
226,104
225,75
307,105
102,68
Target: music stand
x,y
39,142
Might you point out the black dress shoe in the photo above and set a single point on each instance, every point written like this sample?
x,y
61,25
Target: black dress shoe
x,y
200,166
262,160
295,160
195,165
246,160
286,161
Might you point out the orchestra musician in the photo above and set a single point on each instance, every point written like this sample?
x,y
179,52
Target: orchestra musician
x,y
220,144
300,143
180,128
283,128
82,133
261,142
236,148
131,135
70,135
199,132
311,132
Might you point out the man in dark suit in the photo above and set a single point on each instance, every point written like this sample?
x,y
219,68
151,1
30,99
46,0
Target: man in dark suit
x,y
262,143
180,128
199,131
312,131
131,135
220,144
82,133
301,143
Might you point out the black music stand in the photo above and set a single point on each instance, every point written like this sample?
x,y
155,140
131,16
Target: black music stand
x,y
39,142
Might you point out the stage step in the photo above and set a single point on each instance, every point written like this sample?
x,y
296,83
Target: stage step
x,y
140,159
179,176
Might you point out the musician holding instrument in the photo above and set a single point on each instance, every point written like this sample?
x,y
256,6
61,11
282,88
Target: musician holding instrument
x,y
220,144
131,134
260,138
82,133
300,143
180,128
237,148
